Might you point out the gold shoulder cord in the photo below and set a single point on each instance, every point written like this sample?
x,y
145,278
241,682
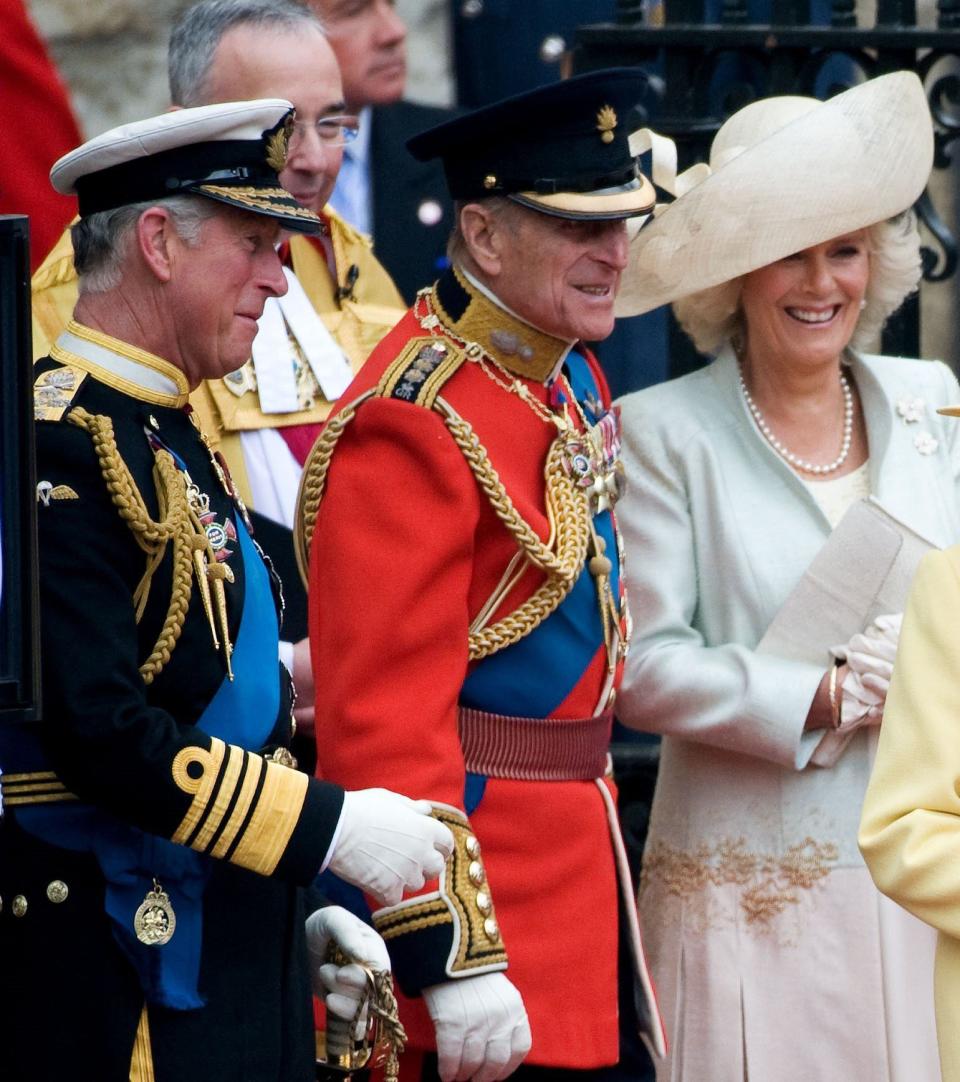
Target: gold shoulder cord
x,y
569,517
176,524
314,480
567,510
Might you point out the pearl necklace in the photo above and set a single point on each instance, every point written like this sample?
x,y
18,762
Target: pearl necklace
x,y
789,456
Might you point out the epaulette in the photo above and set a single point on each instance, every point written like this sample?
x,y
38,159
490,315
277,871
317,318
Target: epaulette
x,y
54,391
420,371
347,231
57,267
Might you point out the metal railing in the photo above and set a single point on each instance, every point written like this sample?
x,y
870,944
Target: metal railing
x,y
702,71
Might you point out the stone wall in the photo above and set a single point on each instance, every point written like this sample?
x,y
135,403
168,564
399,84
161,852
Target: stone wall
x,y
112,54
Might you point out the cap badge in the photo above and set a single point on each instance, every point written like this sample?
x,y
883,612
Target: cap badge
x,y
277,144
606,122
489,181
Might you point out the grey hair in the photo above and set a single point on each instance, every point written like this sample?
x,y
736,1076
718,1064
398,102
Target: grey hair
x,y
199,30
101,241
457,247
713,316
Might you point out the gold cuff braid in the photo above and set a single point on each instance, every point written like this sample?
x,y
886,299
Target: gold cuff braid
x,y
463,900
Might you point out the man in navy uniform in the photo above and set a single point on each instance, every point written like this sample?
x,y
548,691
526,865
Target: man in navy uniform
x,y
155,838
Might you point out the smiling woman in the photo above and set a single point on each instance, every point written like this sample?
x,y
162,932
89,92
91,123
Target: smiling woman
x,y
765,927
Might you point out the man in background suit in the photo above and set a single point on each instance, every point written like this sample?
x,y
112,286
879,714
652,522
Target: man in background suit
x,y
381,190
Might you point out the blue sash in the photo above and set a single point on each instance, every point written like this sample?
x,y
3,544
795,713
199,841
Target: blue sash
x,y
243,712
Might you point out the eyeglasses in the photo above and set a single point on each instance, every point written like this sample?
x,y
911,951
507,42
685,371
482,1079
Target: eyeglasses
x,y
332,131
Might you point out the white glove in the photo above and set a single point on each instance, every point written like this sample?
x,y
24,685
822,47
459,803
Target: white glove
x,y
389,843
343,987
869,656
482,1028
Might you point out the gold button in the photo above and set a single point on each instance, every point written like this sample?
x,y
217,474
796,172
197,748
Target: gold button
x,y
57,891
19,906
483,902
489,181
491,929
475,871
472,846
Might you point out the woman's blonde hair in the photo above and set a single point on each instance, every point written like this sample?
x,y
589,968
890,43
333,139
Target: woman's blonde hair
x,y
713,317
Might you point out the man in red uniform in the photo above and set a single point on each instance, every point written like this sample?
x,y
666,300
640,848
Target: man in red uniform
x,y
468,623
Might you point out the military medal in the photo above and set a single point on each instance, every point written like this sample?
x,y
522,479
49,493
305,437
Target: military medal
x,y
220,535
592,460
155,921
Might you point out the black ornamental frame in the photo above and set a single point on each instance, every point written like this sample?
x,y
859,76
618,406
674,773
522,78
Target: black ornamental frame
x,y
19,604
695,87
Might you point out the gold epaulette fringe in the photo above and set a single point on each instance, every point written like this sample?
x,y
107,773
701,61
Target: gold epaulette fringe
x,y
55,274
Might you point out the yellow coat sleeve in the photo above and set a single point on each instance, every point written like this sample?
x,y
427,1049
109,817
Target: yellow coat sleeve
x,y
53,290
910,827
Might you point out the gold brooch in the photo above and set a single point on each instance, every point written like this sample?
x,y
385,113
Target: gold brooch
x,y
277,144
606,122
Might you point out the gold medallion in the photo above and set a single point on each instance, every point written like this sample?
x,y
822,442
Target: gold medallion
x,y
155,921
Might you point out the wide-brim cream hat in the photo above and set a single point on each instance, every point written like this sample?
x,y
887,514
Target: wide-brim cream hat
x,y
786,173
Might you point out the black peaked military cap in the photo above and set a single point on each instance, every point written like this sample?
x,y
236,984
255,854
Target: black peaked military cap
x,y
231,152
563,149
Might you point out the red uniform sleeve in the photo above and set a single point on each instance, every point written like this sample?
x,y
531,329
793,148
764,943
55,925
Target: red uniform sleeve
x,y
391,562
